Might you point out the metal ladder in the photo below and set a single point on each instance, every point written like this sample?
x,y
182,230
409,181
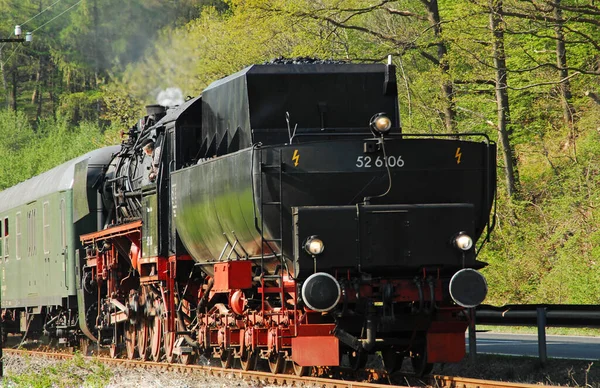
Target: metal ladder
x,y
277,167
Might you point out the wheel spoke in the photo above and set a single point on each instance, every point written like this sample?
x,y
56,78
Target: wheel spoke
x,y
130,340
142,340
168,343
156,340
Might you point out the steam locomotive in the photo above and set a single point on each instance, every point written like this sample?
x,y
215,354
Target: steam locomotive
x,y
283,212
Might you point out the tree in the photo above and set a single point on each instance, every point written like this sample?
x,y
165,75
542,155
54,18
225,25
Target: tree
x,y
502,101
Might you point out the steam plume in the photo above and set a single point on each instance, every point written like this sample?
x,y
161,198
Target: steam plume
x,y
170,97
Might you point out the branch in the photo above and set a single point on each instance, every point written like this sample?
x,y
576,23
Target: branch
x,y
587,37
488,122
594,96
583,9
476,82
539,17
430,57
544,83
393,11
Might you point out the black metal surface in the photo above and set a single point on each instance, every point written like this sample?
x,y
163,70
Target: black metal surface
x,y
384,239
252,105
441,197
320,292
468,288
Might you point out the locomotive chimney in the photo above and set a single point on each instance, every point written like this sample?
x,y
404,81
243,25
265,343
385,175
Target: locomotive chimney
x,y
156,111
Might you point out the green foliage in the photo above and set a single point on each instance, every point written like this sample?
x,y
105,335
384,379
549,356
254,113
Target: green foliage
x,y
30,153
75,372
80,106
545,248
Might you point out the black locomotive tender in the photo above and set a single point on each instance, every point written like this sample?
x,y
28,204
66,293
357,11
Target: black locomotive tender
x,y
289,215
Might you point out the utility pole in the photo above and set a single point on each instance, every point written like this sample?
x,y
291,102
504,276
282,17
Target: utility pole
x,y
27,39
18,39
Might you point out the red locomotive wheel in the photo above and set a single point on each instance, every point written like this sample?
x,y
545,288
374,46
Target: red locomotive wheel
x,y
142,340
84,346
419,362
358,359
248,359
156,339
187,359
114,351
392,360
301,370
276,363
130,340
168,343
227,358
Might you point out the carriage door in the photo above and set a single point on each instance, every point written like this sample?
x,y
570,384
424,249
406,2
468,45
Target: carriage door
x,y
63,251
48,259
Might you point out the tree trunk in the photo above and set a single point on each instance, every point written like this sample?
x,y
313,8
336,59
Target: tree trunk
x,y
433,15
36,86
561,62
4,82
14,89
95,48
502,101
40,86
51,86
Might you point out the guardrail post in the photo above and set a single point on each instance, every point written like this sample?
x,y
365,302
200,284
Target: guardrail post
x,y
541,323
472,335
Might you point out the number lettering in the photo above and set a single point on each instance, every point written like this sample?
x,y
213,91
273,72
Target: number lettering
x,y
379,161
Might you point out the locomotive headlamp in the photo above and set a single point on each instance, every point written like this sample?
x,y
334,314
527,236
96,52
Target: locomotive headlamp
x,y
314,245
380,124
463,241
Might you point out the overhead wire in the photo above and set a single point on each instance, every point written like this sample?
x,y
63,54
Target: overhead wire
x,y
31,18
13,53
47,8
57,16
35,16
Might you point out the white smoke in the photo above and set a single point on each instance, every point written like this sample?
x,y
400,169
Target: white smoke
x,y
170,97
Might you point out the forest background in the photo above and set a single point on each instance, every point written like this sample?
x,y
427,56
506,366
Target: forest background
x,y
525,72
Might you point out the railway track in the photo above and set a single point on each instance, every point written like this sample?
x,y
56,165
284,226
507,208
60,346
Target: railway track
x,y
264,378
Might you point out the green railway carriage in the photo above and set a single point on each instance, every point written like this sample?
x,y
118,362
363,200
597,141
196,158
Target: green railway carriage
x,y
40,221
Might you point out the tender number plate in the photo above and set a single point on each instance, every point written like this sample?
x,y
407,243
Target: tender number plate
x,y
379,161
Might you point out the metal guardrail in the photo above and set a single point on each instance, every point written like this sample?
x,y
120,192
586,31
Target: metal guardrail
x,y
557,315
540,315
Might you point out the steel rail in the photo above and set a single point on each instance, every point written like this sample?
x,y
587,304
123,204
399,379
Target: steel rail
x,y
463,382
277,379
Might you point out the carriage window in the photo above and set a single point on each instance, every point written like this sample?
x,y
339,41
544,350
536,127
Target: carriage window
x,y
31,233
46,231
18,239
63,229
5,236
33,239
31,249
28,234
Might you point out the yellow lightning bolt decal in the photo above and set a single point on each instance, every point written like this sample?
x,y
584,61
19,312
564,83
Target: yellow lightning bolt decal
x,y
458,155
296,158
